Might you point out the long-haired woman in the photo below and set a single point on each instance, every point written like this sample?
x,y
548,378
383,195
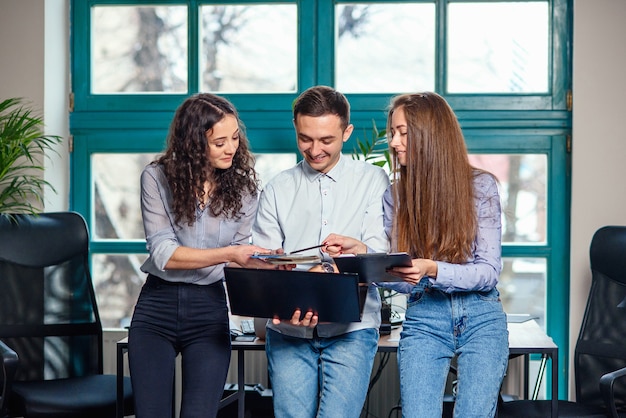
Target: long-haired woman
x,y
446,214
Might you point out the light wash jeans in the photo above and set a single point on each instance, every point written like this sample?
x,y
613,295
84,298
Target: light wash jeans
x,y
438,326
320,377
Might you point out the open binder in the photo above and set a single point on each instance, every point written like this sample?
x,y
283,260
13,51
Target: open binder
x,y
268,293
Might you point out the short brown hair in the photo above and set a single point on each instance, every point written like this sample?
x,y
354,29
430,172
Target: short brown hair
x,y
322,100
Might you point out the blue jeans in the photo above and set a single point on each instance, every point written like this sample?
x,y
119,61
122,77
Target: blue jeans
x,y
171,319
438,326
320,377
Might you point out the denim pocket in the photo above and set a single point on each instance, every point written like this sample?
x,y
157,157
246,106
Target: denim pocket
x,y
415,298
490,296
418,291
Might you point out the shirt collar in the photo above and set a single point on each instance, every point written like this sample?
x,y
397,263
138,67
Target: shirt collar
x,y
313,175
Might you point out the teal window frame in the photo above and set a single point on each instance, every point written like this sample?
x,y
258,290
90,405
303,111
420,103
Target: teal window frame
x,y
530,123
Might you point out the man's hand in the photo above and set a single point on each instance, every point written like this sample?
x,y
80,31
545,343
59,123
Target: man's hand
x,y
335,245
309,319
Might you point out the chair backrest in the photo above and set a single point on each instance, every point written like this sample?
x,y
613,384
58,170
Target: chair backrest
x,y
601,345
48,311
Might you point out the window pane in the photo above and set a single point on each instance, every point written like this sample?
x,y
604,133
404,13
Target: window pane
x,y
117,281
384,47
522,287
249,49
523,179
139,49
116,190
116,193
268,165
498,47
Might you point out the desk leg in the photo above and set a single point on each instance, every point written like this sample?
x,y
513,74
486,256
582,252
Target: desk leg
x,y
555,384
119,404
526,374
241,385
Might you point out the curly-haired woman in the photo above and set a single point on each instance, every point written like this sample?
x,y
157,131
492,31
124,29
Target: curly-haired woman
x,y
198,202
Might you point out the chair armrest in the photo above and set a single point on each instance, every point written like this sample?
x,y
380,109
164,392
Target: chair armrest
x,y
606,389
10,362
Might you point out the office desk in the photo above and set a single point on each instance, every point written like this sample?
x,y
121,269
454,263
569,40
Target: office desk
x,y
528,338
524,339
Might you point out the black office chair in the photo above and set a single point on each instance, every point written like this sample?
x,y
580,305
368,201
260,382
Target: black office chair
x,y
600,354
50,329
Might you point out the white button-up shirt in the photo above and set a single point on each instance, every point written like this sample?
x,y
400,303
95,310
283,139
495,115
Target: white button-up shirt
x,y
301,206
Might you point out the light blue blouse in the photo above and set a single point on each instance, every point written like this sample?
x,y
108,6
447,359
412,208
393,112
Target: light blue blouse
x,y
208,231
481,272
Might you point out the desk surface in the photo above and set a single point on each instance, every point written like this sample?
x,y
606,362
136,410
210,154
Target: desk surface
x,y
525,337
528,337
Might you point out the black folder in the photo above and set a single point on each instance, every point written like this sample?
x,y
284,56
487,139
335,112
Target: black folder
x,y
372,267
268,293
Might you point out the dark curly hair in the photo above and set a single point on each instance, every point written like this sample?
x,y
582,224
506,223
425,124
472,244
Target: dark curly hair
x,y
186,165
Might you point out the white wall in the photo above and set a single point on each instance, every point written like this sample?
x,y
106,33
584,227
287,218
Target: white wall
x,y
22,50
599,138
56,100
34,49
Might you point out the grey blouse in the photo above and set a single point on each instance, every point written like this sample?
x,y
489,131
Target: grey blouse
x,y
163,236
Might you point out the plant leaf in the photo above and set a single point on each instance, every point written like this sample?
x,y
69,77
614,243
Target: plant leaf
x,y
23,145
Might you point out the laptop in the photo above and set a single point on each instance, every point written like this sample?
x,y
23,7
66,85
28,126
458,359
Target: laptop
x,y
267,293
372,267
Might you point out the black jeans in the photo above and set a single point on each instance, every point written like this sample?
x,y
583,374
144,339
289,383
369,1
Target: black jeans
x,y
172,318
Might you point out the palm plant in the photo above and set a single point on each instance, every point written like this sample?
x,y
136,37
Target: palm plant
x,y
373,150
22,148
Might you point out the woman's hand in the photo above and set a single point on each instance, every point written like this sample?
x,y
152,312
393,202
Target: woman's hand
x,y
335,245
241,255
421,267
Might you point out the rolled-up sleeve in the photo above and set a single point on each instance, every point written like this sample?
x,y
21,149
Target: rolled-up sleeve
x,y
161,240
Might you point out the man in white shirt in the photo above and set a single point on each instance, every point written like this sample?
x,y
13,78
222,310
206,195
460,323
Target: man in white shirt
x,y
322,370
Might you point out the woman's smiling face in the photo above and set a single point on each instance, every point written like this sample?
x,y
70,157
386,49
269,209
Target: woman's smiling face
x,y
399,134
223,141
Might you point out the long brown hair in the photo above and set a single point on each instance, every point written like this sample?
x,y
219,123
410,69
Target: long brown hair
x,y
186,165
435,216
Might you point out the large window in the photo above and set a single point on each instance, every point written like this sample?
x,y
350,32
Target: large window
x,y
504,66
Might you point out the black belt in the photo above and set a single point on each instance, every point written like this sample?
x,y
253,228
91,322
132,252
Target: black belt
x,y
156,280
152,279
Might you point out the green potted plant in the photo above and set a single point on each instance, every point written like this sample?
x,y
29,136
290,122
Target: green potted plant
x,y
23,147
373,150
